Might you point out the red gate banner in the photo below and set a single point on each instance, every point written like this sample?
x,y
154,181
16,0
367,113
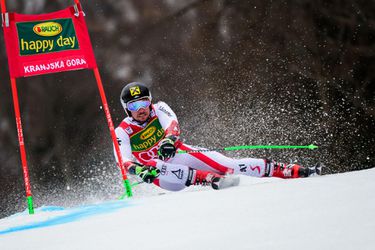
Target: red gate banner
x,y
47,43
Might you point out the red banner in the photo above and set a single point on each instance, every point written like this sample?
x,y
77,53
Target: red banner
x,y
47,43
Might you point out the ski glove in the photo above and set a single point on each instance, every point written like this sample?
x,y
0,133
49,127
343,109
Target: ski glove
x,y
148,173
166,149
134,167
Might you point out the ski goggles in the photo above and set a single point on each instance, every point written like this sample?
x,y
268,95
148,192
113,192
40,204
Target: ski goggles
x,y
136,105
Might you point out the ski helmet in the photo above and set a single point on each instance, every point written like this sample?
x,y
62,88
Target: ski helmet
x,y
132,92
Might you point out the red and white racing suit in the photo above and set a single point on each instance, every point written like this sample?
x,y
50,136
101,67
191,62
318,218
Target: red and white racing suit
x,y
139,142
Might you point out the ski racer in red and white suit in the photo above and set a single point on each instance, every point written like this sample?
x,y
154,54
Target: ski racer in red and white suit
x,y
142,140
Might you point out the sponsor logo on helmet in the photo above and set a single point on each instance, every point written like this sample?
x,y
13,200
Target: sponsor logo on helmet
x,y
47,29
148,133
135,91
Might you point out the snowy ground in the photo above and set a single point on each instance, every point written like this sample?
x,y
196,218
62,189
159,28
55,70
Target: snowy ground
x,y
328,212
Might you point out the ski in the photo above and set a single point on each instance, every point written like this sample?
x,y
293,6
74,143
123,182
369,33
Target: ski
x,y
226,182
316,170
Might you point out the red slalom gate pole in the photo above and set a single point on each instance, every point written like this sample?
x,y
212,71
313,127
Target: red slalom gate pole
x,y
21,143
25,169
128,189
3,6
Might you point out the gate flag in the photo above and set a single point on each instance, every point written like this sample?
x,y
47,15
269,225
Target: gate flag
x,y
47,43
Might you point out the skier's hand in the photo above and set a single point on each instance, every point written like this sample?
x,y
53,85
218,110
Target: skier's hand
x,y
166,149
148,173
133,167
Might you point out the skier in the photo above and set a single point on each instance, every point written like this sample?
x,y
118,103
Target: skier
x,y
149,138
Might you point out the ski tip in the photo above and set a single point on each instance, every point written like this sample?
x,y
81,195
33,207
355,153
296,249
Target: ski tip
x,y
236,181
320,168
312,147
226,182
215,183
316,170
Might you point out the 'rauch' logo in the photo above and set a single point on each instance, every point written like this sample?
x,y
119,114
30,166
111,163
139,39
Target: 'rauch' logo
x,y
47,29
46,37
148,133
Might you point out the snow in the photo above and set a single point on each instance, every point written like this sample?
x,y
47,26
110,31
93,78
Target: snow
x,y
326,212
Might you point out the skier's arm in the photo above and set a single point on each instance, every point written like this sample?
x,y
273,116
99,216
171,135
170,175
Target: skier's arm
x,y
168,120
125,148
147,173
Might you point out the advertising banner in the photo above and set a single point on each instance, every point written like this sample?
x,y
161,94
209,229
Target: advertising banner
x,y
47,43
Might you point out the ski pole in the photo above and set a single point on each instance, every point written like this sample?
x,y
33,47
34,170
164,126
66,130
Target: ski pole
x,y
132,185
153,173
137,183
311,146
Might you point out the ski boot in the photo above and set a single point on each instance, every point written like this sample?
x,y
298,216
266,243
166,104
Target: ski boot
x,y
203,178
316,170
283,170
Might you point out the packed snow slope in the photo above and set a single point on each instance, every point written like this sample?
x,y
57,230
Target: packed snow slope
x,y
326,212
